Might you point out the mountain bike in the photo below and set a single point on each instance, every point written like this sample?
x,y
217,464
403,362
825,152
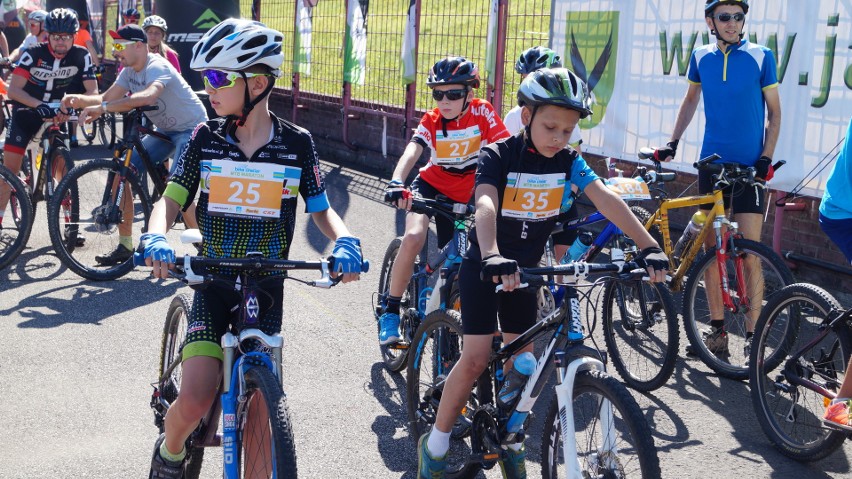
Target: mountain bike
x,y
801,348
418,300
18,217
593,428
101,186
640,323
257,434
748,272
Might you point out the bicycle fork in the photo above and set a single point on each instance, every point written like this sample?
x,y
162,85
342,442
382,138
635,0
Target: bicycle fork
x,y
724,240
566,373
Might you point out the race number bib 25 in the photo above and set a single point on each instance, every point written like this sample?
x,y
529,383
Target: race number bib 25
x,y
458,148
533,197
250,190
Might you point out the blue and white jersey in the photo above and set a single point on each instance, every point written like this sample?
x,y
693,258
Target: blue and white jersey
x,y
733,83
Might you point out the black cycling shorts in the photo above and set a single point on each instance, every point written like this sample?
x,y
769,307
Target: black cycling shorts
x,y
420,187
211,315
746,199
25,124
481,305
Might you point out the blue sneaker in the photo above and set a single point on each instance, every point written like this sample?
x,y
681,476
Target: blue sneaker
x,y
513,464
388,329
429,467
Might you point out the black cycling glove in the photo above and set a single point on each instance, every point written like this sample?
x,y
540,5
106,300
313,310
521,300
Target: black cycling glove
x,y
395,191
653,257
496,265
763,169
45,111
663,152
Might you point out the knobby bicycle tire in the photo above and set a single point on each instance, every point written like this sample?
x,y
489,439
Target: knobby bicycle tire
x,y
265,398
58,155
643,215
776,275
637,456
16,232
640,326
94,216
106,130
790,415
174,335
435,348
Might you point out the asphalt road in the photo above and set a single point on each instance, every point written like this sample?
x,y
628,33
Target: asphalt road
x,y
79,358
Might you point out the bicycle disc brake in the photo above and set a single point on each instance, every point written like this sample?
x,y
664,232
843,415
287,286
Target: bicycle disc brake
x,y
106,218
484,442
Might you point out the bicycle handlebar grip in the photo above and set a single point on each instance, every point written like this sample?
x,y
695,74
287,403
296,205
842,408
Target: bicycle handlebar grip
x,y
700,163
779,164
148,108
646,153
138,259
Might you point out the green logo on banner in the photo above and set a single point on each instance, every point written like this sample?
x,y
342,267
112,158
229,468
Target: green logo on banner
x,y
593,44
206,21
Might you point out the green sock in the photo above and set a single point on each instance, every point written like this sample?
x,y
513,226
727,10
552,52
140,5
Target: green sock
x,y
165,454
126,241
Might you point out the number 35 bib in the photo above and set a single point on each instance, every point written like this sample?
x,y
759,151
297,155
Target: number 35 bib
x,y
249,190
533,197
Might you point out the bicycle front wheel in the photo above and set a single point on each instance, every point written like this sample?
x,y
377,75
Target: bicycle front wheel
x,y
170,373
754,274
641,332
435,348
86,233
19,215
623,447
106,130
395,355
790,413
267,447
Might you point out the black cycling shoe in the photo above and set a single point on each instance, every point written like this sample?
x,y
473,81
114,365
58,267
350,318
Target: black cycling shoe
x,y
161,468
79,241
118,256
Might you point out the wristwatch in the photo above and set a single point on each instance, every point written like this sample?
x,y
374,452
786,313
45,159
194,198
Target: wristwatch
x,y
103,107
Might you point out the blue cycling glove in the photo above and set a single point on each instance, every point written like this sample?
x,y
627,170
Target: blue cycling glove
x,y
157,248
568,197
347,255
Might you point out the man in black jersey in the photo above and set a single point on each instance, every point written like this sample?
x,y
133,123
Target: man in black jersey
x,y
44,74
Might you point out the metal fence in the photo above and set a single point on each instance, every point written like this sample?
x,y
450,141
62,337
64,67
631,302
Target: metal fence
x,y
443,27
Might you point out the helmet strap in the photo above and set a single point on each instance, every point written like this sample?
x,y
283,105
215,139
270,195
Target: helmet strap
x,y
248,105
528,131
715,32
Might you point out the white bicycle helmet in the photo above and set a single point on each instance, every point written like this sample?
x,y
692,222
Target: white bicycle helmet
x,y
38,16
237,44
155,21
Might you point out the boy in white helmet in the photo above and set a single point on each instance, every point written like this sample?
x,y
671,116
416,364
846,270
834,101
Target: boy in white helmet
x,y
239,61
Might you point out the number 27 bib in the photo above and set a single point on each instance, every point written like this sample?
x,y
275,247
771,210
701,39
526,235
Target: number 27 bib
x,y
533,197
250,190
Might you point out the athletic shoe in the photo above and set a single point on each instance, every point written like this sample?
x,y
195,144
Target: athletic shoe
x,y
161,468
118,256
388,329
513,464
716,341
837,414
429,467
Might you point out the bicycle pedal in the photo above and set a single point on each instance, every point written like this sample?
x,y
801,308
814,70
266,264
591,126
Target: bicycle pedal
x,y
399,346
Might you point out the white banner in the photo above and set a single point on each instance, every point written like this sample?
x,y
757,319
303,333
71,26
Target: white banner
x,y
302,43
491,42
355,52
409,41
635,54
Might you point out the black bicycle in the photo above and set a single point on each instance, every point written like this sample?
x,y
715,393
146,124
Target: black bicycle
x,y
593,427
419,301
103,126
801,347
107,189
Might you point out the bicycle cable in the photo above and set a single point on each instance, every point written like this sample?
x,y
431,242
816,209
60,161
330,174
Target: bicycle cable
x,y
815,172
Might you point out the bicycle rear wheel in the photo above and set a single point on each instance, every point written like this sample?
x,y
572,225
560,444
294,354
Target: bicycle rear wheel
x,y
174,336
766,275
631,451
19,216
267,447
395,355
436,348
641,332
95,217
790,414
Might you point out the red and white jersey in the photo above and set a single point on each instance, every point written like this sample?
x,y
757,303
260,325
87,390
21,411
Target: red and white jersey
x,y
454,156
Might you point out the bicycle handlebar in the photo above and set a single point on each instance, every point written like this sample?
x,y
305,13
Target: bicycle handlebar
x,y
446,208
534,277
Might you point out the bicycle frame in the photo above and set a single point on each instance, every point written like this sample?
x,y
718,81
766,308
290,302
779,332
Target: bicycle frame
x,y
42,187
450,259
133,142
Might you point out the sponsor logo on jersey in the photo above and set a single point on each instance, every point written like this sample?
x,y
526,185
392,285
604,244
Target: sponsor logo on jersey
x,y
50,74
